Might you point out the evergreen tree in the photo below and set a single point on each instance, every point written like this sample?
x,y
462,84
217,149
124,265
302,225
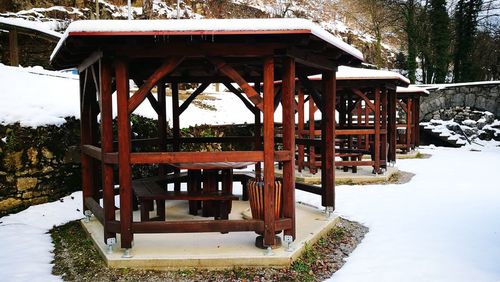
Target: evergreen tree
x,y
440,39
466,21
409,9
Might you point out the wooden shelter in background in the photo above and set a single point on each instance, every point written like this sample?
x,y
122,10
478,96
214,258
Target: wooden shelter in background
x,y
366,124
169,52
408,104
28,43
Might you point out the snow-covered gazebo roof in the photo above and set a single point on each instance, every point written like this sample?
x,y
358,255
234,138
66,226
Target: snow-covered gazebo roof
x,y
30,27
345,74
295,32
411,89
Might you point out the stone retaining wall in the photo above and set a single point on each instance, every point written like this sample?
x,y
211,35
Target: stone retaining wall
x,y
37,164
43,164
484,97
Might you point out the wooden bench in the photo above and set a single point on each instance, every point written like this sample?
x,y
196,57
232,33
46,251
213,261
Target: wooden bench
x,y
353,156
148,190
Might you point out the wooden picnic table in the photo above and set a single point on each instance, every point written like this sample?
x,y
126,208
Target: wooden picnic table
x,y
210,171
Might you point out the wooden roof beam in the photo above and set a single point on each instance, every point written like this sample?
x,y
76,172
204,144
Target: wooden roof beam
x,y
307,84
361,95
236,77
249,105
167,67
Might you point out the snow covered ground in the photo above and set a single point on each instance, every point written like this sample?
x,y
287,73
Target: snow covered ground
x,y
441,226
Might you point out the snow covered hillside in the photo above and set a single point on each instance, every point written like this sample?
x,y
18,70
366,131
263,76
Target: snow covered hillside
x,y
326,13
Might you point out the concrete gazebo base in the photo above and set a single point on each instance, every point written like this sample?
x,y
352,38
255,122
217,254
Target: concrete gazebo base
x,y
211,250
364,175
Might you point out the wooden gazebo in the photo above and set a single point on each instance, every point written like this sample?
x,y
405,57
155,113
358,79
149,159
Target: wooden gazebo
x,y
169,52
408,102
366,108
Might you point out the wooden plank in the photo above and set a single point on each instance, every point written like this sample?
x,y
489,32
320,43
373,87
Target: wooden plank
x,y
196,157
288,103
268,108
124,149
328,138
167,67
206,226
354,163
107,147
95,208
193,96
354,131
236,77
200,50
13,48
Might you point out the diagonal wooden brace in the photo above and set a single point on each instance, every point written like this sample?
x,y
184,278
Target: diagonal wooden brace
x,y
402,105
361,95
193,96
167,67
230,72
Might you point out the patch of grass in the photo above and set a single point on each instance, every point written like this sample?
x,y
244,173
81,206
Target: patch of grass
x,y
338,233
394,178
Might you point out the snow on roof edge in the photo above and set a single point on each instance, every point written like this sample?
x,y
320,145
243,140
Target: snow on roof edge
x,y
37,26
412,89
351,73
207,25
446,85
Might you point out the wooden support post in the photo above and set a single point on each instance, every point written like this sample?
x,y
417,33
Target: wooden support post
x,y
269,218
300,110
328,140
89,129
258,137
367,123
349,118
288,102
376,121
359,112
107,147
176,131
13,48
383,136
416,121
162,122
312,153
85,139
124,150
94,134
391,124
409,106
